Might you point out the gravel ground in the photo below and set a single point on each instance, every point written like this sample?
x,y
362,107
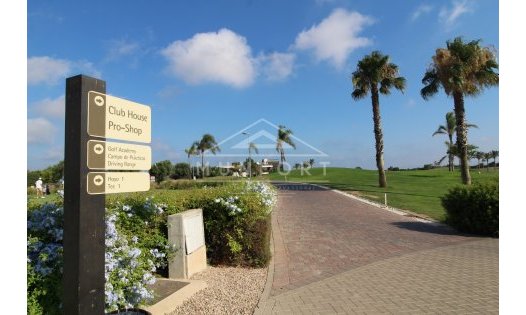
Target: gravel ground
x,y
230,291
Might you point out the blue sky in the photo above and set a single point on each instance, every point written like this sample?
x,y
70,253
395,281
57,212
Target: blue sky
x,y
218,66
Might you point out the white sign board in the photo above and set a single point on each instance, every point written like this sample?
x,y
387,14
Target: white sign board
x,y
194,232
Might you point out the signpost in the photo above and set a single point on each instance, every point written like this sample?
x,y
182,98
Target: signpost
x,y
91,114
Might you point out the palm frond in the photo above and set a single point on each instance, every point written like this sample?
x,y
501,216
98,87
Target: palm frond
x,y
431,82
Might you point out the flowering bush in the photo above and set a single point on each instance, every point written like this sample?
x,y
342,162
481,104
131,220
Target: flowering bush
x,y
237,229
266,192
129,263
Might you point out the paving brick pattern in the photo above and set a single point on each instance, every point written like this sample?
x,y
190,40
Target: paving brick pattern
x,y
333,254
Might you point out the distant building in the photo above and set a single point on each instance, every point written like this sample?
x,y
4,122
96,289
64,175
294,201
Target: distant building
x,y
269,166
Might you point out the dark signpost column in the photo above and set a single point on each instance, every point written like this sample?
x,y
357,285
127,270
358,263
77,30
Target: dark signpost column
x,y
84,227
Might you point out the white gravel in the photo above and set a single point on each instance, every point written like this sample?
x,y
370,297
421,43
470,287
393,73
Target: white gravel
x,y
231,290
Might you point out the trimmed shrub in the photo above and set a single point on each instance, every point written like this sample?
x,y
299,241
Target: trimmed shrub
x,y
188,183
473,209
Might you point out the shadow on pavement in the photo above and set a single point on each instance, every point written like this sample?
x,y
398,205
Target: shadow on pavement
x,y
434,228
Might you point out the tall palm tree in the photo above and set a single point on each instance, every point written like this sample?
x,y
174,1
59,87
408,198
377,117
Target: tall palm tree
x,y
449,129
472,151
494,155
461,69
284,136
192,150
375,74
207,143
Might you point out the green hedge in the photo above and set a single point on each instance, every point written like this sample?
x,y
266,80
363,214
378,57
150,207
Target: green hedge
x,y
231,238
473,209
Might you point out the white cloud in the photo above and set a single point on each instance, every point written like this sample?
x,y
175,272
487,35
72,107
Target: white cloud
x,y
277,66
51,107
46,70
222,57
40,130
449,16
335,37
422,9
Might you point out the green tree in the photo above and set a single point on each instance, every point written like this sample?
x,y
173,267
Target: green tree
x,y
449,129
180,170
375,75
311,162
284,136
207,143
487,156
161,170
479,155
461,69
191,151
494,155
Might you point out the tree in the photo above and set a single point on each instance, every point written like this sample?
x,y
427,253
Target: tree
x,y
311,162
487,156
461,69
449,129
494,155
180,170
251,147
207,143
192,150
284,136
479,155
472,151
375,74
161,170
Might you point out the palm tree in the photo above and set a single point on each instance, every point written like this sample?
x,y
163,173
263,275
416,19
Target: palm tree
x,y
449,129
192,150
479,155
487,156
251,146
284,136
376,74
494,155
461,69
207,143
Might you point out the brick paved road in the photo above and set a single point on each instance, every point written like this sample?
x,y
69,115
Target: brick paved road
x,y
335,254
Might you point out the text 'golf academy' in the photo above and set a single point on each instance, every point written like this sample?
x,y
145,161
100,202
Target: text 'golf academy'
x,y
106,155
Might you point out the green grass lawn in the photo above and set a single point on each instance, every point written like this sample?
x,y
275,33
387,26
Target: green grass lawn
x,y
416,191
